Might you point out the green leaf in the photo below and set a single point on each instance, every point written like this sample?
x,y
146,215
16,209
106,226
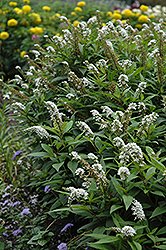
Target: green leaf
x,y
136,72
72,165
39,154
100,246
48,149
2,245
163,247
103,238
157,164
127,199
114,208
116,185
134,245
67,127
42,242
58,165
158,211
161,231
157,192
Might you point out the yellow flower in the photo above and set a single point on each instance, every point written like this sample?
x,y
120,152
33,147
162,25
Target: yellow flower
x,y
117,16
127,13
144,7
26,1
152,16
36,30
1,11
117,11
137,14
12,22
4,35
73,13
75,23
13,4
143,19
35,17
81,4
23,53
78,9
26,8
16,9
139,26
109,13
46,8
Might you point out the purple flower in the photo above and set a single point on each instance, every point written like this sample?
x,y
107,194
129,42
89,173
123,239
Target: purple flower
x,y
35,37
16,232
4,195
25,211
5,202
16,154
47,188
62,246
68,225
8,187
5,234
16,203
64,25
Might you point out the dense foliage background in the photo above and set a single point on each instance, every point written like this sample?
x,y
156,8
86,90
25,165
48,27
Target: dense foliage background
x,y
83,134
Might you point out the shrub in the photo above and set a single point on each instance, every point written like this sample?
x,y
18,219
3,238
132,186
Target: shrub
x,y
94,103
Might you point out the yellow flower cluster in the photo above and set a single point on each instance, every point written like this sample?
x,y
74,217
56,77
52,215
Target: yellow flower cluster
x,y
46,8
35,17
128,13
143,19
23,53
78,9
4,35
36,30
143,8
12,4
12,22
17,10
26,8
81,4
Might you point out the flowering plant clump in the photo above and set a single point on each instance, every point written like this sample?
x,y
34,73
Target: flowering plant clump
x,y
92,102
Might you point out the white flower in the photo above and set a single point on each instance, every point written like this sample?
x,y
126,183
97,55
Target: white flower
x,y
123,79
118,142
131,151
93,157
85,128
76,193
19,104
123,172
54,112
128,231
80,171
137,210
50,49
39,130
125,231
107,110
75,155
116,125
141,87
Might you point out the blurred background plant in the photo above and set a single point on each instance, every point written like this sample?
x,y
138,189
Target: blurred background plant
x,y
25,23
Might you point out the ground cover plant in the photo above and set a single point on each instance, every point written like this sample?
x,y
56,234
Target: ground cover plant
x,y
24,23
93,103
